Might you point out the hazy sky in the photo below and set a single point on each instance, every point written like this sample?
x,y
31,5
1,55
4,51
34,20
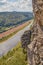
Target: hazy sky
x,y
15,5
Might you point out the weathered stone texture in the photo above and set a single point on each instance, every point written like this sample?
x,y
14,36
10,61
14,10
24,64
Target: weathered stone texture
x,y
35,51
35,48
25,39
38,11
34,41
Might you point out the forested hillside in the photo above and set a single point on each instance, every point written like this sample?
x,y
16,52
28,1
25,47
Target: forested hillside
x,y
9,20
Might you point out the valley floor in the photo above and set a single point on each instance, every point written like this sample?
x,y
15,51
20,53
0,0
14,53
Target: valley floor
x,y
13,41
7,34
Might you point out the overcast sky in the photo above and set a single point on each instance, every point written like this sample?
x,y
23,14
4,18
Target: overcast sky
x,y
15,5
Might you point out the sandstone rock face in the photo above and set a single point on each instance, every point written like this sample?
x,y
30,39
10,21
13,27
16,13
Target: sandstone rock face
x,y
35,48
38,11
25,39
35,51
35,39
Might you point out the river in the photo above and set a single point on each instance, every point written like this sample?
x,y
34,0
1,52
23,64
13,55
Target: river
x,y
13,41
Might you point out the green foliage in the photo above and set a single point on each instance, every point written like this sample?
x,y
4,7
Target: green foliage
x,y
14,57
9,20
10,35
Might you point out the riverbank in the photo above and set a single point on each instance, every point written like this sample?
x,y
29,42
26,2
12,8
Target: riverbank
x,y
14,57
6,35
13,41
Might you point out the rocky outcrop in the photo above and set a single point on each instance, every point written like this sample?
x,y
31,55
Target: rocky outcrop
x,y
25,39
35,48
35,51
35,39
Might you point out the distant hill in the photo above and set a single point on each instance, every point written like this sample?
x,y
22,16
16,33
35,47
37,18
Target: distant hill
x,y
13,19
